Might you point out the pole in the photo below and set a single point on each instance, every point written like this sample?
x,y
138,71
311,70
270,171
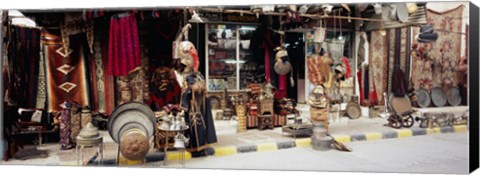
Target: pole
x,y
2,140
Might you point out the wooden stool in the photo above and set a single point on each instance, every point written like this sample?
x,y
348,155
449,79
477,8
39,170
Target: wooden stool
x,y
265,122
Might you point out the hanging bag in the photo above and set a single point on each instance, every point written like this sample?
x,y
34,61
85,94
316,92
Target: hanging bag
x,y
319,35
282,65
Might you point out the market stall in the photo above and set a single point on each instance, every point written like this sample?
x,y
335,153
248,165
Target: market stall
x,y
180,72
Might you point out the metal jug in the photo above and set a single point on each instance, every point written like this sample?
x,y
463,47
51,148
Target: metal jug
x,y
270,91
180,141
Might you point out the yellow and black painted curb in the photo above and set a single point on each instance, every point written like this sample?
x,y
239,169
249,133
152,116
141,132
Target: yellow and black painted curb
x,y
303,142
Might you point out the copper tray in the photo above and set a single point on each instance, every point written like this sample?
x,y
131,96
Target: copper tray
x,y
131,115
438,98
453,96
423,98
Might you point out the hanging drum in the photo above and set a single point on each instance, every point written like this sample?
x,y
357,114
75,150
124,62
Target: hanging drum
x,y
400,104
453,96
438,97
131,125
402,12
423,98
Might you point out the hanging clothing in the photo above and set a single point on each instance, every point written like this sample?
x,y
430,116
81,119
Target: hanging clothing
x,y
282,87
65,127
199,115
360,85
366,82
23,55
399,83
124,47
267,65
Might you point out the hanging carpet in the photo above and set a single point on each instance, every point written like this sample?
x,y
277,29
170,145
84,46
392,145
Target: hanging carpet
x,y
378,58
66,77
448,44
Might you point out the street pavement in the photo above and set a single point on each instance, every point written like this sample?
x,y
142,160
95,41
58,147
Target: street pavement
x,y
438,154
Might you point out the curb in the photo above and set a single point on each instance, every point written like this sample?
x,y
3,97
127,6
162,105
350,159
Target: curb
x,y
302,142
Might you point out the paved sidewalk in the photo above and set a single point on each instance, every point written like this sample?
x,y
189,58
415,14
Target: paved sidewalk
x,y
230,142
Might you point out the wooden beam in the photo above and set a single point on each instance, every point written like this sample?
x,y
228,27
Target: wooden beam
x,y
316,16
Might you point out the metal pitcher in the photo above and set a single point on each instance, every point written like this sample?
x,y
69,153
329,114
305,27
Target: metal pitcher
x,y
180,141
270,91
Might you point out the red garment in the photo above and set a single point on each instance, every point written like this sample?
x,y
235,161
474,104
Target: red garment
x,y
267,64
282,87
359,77
348,69
124,46
373,97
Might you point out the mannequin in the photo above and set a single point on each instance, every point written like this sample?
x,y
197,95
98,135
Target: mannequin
x,y
193,100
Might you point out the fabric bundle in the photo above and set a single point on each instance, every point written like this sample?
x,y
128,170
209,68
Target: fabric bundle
x,y
318,70
124,47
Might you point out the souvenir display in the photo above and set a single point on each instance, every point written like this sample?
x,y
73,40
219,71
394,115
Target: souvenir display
x,y
241,117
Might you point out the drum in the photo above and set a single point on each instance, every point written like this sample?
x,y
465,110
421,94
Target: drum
x,y
453,96
438,98
400,104
423,98
353,110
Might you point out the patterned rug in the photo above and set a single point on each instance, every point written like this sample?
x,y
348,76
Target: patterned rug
x,y
103,90
378,57
449,43
41,90
398,49
66,77
421,74
447,48
134,87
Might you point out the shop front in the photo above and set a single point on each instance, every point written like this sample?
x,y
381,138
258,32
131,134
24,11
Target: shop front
x,y
193,80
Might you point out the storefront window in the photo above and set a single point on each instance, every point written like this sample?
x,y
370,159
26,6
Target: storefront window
x,y
228,56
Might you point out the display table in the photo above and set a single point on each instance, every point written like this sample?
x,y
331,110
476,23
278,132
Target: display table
x,y
94,142
182,151
298,129
39,132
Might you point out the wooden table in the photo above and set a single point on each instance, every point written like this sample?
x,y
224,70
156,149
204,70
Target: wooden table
x,y
39,132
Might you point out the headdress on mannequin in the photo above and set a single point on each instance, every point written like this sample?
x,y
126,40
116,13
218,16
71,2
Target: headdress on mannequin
x,y
188,56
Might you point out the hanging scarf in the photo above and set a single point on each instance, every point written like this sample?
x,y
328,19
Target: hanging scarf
x,y
124,47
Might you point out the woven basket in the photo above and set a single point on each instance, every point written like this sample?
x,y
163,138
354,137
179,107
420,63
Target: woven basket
x,y
318,114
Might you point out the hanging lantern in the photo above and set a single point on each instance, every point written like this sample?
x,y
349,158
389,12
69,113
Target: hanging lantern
x,y
257,10
378,8
412,7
